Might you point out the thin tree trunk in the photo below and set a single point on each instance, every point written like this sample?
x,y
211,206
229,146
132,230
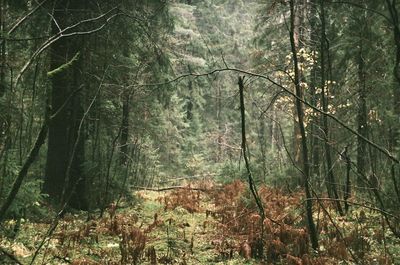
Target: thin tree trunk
x,y
347,191
124,129
263,145
189,98
331,181
252,185
394,132
33,99
361,115
300,115
3,64
315,143
219,121
299,36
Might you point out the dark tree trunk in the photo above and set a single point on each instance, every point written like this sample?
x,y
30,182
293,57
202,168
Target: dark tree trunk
x,y
189,104
304,148
361,114
2,50
315,143
126,108
347,189
124,129
395,131
65,155
189,98
252,185
331,180
396,71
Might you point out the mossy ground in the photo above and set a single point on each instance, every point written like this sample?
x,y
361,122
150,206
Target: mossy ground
x,y
179,238
189,234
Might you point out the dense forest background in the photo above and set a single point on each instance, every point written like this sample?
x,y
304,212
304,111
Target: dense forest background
x,y
99,99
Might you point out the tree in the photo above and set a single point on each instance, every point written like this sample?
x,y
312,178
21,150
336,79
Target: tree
x,y
64,178
331,181
304,148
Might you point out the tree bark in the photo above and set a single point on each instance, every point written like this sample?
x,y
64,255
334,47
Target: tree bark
x,y
362,102
331,180
252,185
315,143
124,129
3,64
299,36
347,189
126,109
300,115
64,177
395,130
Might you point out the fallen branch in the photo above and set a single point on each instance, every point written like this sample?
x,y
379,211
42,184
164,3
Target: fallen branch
x,y
189,177
173,188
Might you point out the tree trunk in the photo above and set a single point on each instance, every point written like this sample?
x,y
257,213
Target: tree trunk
x,y
331,180
126,109
315,143
260,242
299,36
189,100
3,64
65,155
362,103
125,129
396,71
347,188
300,115
395,130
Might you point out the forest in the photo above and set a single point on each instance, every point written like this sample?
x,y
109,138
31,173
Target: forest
x,y
199,132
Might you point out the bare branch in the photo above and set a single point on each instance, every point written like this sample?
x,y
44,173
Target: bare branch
x,y
62,34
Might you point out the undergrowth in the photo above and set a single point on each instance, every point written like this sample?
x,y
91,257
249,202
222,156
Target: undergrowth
x,y
208,224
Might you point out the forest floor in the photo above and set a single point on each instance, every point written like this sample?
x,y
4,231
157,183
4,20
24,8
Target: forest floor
x,y
206,224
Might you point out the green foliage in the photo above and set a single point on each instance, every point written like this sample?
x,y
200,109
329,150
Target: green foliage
x,y
229,172
18,4
28,202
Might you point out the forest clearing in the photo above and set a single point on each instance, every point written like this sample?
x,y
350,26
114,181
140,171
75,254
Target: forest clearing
x,y
199,132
